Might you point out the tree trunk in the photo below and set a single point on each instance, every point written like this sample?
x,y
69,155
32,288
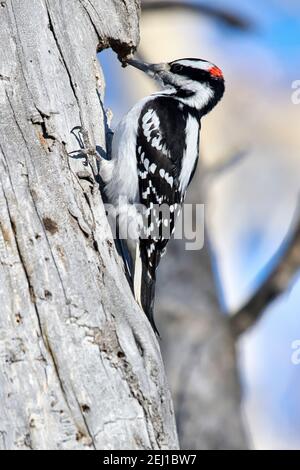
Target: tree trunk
x,y
80,366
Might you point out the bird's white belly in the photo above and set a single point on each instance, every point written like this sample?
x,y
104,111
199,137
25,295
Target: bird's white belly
x,y
191,152
124,178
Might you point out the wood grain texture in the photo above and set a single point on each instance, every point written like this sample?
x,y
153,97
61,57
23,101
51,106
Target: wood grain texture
x,y
79,364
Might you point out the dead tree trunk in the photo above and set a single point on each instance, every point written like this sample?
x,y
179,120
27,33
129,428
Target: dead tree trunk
x,y
79,364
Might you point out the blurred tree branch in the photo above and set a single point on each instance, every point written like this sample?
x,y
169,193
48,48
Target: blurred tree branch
x,y
276,284
230,19
222,167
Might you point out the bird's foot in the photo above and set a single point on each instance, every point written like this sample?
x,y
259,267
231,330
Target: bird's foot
x,y
86,150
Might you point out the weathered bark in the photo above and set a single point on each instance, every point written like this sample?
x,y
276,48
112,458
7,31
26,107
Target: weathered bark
x,y
79,364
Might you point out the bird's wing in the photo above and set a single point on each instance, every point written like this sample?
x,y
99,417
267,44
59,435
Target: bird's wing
x,y
159,164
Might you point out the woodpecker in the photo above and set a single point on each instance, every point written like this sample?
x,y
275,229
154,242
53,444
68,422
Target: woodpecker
x,y
154,155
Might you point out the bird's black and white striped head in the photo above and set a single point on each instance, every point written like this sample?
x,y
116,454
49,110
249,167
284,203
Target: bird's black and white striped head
x,y
197,83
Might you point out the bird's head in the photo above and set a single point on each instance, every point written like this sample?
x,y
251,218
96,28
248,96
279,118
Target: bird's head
x,y
197,83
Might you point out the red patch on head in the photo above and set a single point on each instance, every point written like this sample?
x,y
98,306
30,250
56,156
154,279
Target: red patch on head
x,y
216,72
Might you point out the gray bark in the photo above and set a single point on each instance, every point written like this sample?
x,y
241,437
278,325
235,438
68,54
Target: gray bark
x,y
79,364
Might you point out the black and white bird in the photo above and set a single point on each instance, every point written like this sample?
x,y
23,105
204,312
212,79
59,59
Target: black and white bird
x,y
155,151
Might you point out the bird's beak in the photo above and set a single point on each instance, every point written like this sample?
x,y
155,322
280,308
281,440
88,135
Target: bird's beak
x,y
149,69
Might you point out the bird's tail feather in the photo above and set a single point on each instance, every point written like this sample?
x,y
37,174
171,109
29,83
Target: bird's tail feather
x,y
148,295
141,280
144,287
127,260
137,277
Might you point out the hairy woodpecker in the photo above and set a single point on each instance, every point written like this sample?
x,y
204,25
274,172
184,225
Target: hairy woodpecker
x,y
154,155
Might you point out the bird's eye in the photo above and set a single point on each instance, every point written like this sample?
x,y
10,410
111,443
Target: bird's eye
x,y
176,68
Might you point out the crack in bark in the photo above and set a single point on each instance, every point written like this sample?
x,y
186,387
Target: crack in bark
x,y
3,435
34,202
92,22
115,421
24,266
33,297
62,388
109,344
31,291
122,49
82,224
52,29
46,139
19,46
89,433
